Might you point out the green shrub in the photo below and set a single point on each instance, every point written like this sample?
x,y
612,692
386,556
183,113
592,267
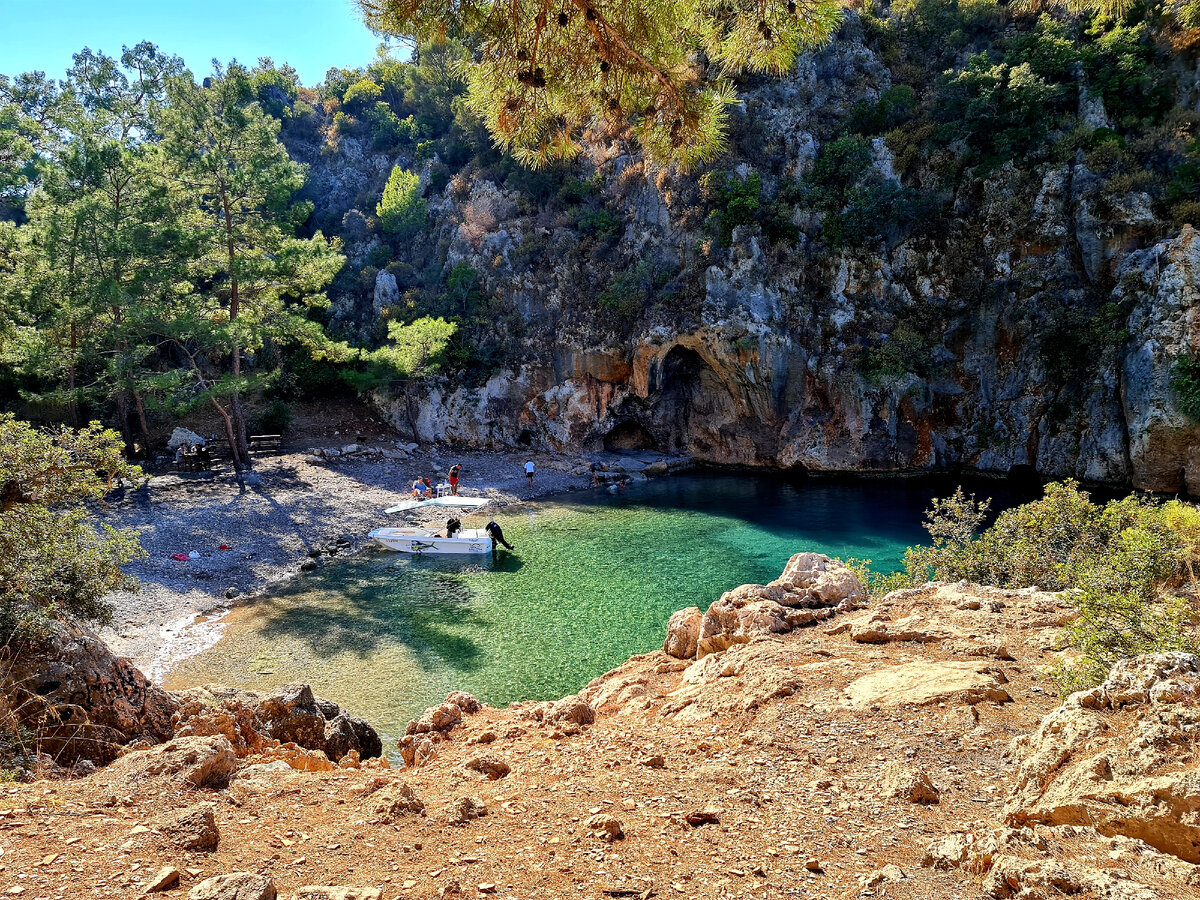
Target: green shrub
x,y
361,95
629,294
908,349
735,201
1002,109
838,168
871,212
56,560
600,223
275,418
379,256
401,210
1120,562
879,584
891,109
1185,381
575,191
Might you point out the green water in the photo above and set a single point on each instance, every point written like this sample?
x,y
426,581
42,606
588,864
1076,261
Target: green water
x,y
593,580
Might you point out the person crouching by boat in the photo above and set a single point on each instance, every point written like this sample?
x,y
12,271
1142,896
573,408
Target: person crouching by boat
x,y
452,477
496,533
453,526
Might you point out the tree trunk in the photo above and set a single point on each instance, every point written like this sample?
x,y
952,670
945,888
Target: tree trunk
x,y
123,421
235,302
229,436
239,429
142,424
408,410
72,402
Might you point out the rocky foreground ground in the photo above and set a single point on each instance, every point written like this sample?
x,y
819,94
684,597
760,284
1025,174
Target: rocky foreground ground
x,y
791,741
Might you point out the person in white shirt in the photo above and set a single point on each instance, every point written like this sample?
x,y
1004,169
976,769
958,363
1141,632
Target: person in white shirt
x,y
529,472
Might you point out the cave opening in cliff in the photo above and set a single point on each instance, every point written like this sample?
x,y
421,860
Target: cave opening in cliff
x,y
630,435
681,390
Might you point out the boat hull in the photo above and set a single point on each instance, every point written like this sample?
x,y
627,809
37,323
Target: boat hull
x,y
419,543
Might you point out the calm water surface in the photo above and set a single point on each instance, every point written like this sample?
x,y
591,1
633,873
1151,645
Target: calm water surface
x,y
593,580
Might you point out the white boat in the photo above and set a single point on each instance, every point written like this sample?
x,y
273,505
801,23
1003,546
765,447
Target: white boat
x,y
426,542
452,501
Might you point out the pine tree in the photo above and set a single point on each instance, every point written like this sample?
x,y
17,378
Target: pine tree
x,y
546,71
253,279
401,208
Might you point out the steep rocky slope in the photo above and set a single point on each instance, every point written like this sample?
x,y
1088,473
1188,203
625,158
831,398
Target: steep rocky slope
x,y
1024,316
906,750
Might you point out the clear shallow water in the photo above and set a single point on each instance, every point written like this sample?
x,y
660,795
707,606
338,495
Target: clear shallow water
x,y
593,581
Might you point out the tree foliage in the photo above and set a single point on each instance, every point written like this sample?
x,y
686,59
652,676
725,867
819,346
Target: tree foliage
x,y
251,277
54,560
1122,564
544,73
401,209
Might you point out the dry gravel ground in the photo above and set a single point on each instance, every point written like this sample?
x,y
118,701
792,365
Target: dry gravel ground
x,y
762,741
271,518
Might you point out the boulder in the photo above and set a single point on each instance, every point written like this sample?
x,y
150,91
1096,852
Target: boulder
x,y
311,892
572,710
880,629
493,767
902,781
198,762
79,700
465,809
422,734
235,886
395,801
889,874
345,734
291,715
605,828
165,879
812,588
1120,758
194,828
218,710
922,682
183,436
683,633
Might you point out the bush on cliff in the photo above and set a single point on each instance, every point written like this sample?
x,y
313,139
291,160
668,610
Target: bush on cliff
x,y
54,560
1129,566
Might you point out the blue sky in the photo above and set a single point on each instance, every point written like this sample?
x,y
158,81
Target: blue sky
x,y
312,35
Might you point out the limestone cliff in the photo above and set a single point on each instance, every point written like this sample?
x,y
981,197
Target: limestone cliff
x,y
1025,319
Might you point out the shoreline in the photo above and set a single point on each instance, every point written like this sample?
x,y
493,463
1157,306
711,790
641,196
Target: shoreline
x,y
290,508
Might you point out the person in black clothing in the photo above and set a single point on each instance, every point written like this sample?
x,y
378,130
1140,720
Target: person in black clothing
x,y
496,533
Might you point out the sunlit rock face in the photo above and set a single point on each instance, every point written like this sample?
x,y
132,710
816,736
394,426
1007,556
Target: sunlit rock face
x,y
951,347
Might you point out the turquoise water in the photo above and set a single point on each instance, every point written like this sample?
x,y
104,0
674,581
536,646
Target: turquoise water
x,y
592,581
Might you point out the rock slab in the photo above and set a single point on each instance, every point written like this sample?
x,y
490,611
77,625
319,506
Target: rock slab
x,y
922,682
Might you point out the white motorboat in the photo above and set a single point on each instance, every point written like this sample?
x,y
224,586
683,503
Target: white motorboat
x,y
456,502
428,542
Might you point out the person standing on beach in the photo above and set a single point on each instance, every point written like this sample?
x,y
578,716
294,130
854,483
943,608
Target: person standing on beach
x,y
452,476
529,472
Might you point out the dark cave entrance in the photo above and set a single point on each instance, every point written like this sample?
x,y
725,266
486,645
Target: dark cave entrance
x,y
682,393
630,435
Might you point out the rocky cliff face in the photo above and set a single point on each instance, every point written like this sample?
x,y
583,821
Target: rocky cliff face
x,y
970,341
